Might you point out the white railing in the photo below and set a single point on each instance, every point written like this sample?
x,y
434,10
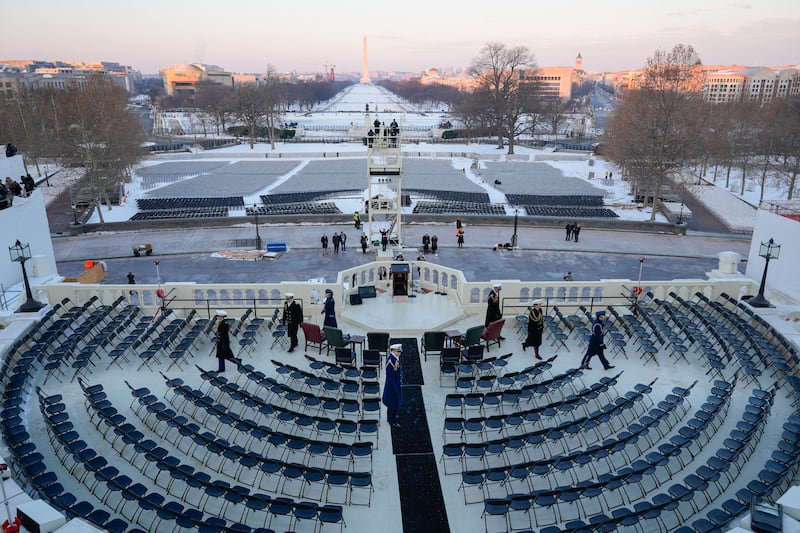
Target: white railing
x,y
470,295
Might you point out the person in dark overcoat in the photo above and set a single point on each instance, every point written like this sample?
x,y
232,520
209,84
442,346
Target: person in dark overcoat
x,y
363,243
329,310
292,318
535,328
224,351
493,311
434,244
596,343
392,396
324,241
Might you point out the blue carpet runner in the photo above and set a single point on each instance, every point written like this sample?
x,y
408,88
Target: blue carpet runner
x,y
421,500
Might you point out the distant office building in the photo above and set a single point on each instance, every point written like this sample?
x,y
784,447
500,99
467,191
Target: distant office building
x,y
184,77
62,74
751,84
555,82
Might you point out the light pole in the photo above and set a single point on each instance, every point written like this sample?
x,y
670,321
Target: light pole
x,y
769,250
514,237
74,215
159,292
21,253
258,236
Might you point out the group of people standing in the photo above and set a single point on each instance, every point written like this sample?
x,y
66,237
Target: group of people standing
x,y
339,242
430,243
573,231
12,188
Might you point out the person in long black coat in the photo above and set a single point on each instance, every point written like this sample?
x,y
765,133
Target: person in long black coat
x,y
493,311
224,351
292,318
329,310
535,328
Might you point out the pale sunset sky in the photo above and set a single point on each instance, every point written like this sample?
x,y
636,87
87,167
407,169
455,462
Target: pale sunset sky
x,y
409,35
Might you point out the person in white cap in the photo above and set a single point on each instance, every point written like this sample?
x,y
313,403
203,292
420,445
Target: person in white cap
x,y
493,311
535,328
391,387
292,318
329,310
224,351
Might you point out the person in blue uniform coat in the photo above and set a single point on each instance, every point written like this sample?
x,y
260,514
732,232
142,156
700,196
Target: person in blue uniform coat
x,y
391,387
596,343
328,309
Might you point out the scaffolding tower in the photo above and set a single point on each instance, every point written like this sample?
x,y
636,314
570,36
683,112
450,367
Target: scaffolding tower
x,y
385,169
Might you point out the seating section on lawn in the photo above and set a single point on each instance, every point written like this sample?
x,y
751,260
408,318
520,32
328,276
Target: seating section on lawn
x,y
203,212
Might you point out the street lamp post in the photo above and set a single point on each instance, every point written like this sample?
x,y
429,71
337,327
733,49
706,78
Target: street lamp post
x,y
21,253
514,237
769,250
258,236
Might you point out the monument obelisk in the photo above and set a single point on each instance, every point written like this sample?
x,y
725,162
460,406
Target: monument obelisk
x,y
365,65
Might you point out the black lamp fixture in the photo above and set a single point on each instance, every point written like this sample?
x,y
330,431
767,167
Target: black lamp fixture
x,y
769,250
514,237
258,235
21,253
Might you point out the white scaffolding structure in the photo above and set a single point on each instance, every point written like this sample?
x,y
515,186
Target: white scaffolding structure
x,y
385,169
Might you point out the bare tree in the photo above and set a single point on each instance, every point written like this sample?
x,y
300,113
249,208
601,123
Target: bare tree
x,y
500,72
249,107
787,148
655,127
213,100
99,135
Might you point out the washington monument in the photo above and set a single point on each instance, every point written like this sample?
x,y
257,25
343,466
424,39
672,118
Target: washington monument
x,y
365,64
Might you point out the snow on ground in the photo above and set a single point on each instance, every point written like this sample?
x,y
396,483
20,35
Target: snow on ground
x,y
615,191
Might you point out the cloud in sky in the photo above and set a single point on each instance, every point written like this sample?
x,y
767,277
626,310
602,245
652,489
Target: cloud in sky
x,y
248,35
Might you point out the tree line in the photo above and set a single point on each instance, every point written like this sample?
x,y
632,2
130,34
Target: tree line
x,y
86,126
664,127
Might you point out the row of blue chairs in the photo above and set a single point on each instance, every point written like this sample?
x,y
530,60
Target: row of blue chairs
x,y
253,431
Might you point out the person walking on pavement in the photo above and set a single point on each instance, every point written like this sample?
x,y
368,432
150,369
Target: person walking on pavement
x,y
493,311
224,352
292,317
392,396
336,242
324,241
569,231
576,230
329,310
357,220
596,344
363,243
343,241
426,241
535,328
460,238
434,244
131,278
